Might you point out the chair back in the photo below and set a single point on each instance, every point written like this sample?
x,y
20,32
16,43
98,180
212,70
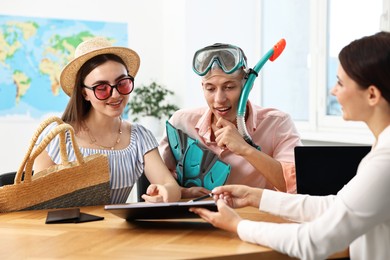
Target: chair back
x,y
142,184
7,178
324,170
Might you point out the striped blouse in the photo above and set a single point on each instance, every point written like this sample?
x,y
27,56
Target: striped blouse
x,y
126,165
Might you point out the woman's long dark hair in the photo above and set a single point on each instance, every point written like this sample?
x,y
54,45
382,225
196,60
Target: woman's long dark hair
x,y
367,62
77,108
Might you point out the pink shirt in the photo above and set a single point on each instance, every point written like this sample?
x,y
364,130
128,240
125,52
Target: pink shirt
x,y
272,130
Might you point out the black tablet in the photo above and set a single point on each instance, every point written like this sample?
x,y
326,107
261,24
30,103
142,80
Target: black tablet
x,y
72,215
174,210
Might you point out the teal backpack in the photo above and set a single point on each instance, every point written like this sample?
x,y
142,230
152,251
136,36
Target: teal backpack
x,y
195,165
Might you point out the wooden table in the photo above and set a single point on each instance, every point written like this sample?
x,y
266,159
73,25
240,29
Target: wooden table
x,y
24,235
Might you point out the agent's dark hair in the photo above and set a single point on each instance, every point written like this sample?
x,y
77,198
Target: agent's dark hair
x,y
367,62
77,108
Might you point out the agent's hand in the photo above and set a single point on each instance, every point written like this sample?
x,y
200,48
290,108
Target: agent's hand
x,y
226,218
227,136
156,193
238,196
193,192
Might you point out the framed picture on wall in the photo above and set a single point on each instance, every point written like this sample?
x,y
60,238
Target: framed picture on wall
x,y
33,52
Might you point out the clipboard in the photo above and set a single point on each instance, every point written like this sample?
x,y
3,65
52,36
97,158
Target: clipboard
x,y
149,211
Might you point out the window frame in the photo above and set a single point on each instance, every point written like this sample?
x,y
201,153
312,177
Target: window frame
x,y
321,127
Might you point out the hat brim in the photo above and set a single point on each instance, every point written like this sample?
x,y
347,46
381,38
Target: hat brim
x,y
69,72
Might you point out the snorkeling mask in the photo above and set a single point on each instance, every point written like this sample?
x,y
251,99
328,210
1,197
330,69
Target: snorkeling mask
x,y
228,57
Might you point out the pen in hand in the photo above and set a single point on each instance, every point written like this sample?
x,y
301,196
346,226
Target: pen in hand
x,y
202,198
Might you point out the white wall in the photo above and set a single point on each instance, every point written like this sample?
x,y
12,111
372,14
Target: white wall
x,y
165,33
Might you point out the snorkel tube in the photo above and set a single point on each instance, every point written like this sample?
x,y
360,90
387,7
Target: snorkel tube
x,y
271,55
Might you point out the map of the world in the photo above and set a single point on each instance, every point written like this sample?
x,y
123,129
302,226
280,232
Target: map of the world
x,y
32,53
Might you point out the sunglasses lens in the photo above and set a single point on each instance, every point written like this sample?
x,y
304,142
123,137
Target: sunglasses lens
x,y
125,86
103,91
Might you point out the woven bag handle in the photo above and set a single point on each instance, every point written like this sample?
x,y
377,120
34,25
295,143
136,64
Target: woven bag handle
x,y
29,158
60,129
37,133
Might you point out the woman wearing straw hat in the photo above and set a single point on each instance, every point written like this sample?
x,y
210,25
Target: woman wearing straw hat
x,y
99,80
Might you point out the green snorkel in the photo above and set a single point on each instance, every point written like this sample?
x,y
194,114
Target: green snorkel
x,y
271,55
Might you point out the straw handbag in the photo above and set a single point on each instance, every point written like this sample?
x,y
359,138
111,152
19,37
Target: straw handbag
x,y
84,182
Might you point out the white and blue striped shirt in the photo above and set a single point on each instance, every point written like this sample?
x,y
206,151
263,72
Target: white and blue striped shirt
x,y
126,165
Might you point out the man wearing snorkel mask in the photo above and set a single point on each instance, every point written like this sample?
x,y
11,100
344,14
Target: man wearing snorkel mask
x,y
223,69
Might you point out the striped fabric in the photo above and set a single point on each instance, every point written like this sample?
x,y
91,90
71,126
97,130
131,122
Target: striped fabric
x,y
126,165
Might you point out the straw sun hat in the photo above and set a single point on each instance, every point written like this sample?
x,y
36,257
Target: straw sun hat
x,y
89,49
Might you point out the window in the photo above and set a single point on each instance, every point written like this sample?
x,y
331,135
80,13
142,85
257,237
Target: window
x,y
299,81
286,81
365,17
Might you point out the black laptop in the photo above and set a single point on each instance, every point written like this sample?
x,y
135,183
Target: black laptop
x,y
324,170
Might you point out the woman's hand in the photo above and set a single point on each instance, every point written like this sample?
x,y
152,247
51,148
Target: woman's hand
x,y
238,196
156,193
164,187
226,218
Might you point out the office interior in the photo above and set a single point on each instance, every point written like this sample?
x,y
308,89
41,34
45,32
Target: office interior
x,y
166,33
